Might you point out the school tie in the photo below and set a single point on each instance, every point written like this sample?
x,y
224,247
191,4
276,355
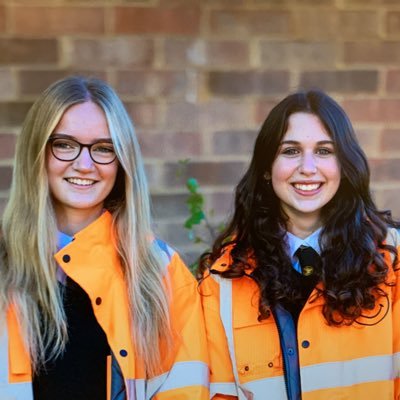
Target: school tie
x,y
309,260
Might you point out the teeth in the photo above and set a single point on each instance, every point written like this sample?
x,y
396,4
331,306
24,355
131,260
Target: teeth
x,y
82,182
307,187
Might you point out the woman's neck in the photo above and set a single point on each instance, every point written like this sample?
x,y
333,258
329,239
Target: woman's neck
x,y
72,222
303,228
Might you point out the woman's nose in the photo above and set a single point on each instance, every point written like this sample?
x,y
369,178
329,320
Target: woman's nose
x,y
84,161
308,164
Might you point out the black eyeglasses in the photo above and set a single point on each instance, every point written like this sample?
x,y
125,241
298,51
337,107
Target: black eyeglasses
x,y
67,149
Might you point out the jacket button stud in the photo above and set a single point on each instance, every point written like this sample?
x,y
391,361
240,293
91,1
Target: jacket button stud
x,y
123,353
246,368
66,258
270,364
98,301
290,351
305,344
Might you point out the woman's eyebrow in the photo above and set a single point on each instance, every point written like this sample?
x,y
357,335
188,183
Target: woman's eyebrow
x,y
298,142
63,135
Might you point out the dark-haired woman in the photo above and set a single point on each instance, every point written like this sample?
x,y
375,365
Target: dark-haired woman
x,y
300,291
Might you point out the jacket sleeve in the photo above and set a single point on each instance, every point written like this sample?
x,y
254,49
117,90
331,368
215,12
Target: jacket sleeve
x,y
222,382
187,376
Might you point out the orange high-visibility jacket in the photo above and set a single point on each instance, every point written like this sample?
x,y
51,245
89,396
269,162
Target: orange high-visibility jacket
x,y
91,261
361,361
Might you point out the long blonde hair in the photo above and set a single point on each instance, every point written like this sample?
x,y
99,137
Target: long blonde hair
x,y
28,270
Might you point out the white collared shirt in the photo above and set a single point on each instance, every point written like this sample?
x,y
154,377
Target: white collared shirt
x,y
293,243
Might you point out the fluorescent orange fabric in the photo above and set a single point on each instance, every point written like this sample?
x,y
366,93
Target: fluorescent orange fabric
x,y
361,361
91,261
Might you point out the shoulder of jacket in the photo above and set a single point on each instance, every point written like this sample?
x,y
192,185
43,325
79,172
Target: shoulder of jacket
x,y
393,237
166,249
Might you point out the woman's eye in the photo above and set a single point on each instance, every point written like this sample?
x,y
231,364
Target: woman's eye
x,y
290,151
64,144
324,151
106,148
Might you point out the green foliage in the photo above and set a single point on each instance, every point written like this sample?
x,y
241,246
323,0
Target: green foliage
x,y
198,223
195,203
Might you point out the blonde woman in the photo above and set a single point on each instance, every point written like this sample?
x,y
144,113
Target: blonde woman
x,y
94,306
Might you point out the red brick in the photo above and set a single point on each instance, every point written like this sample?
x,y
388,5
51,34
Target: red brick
x,y
13,113
292,55
393,22
181,51
391,141
371,52
170,205
314,23
389,200
369,139
263,108
385,170
111,52
373,110
221,202
225,114
57,20
145,114
352,3
316,3
33,82
176,145
250,22
28,51
341,81
226,3
182,116
358,24
207,173
2,18
5,177
234,142
180,3
155,175
182,21
7,145
239,83
330,24
227,52
152,83
8,85
393,81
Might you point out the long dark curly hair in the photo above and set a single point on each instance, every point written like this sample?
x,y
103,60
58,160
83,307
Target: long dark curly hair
x,y
353,266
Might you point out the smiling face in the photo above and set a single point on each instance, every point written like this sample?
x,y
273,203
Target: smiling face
x,y
305,174
79,187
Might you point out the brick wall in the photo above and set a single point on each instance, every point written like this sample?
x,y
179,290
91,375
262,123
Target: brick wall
x,y
199,76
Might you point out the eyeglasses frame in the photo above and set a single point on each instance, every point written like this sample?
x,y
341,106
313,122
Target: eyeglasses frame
x,y
51,139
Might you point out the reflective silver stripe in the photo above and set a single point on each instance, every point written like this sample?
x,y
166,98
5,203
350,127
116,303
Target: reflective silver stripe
x,y
182,374
225,295
223,388
396,364
10,391
348,373
267,389
135,389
